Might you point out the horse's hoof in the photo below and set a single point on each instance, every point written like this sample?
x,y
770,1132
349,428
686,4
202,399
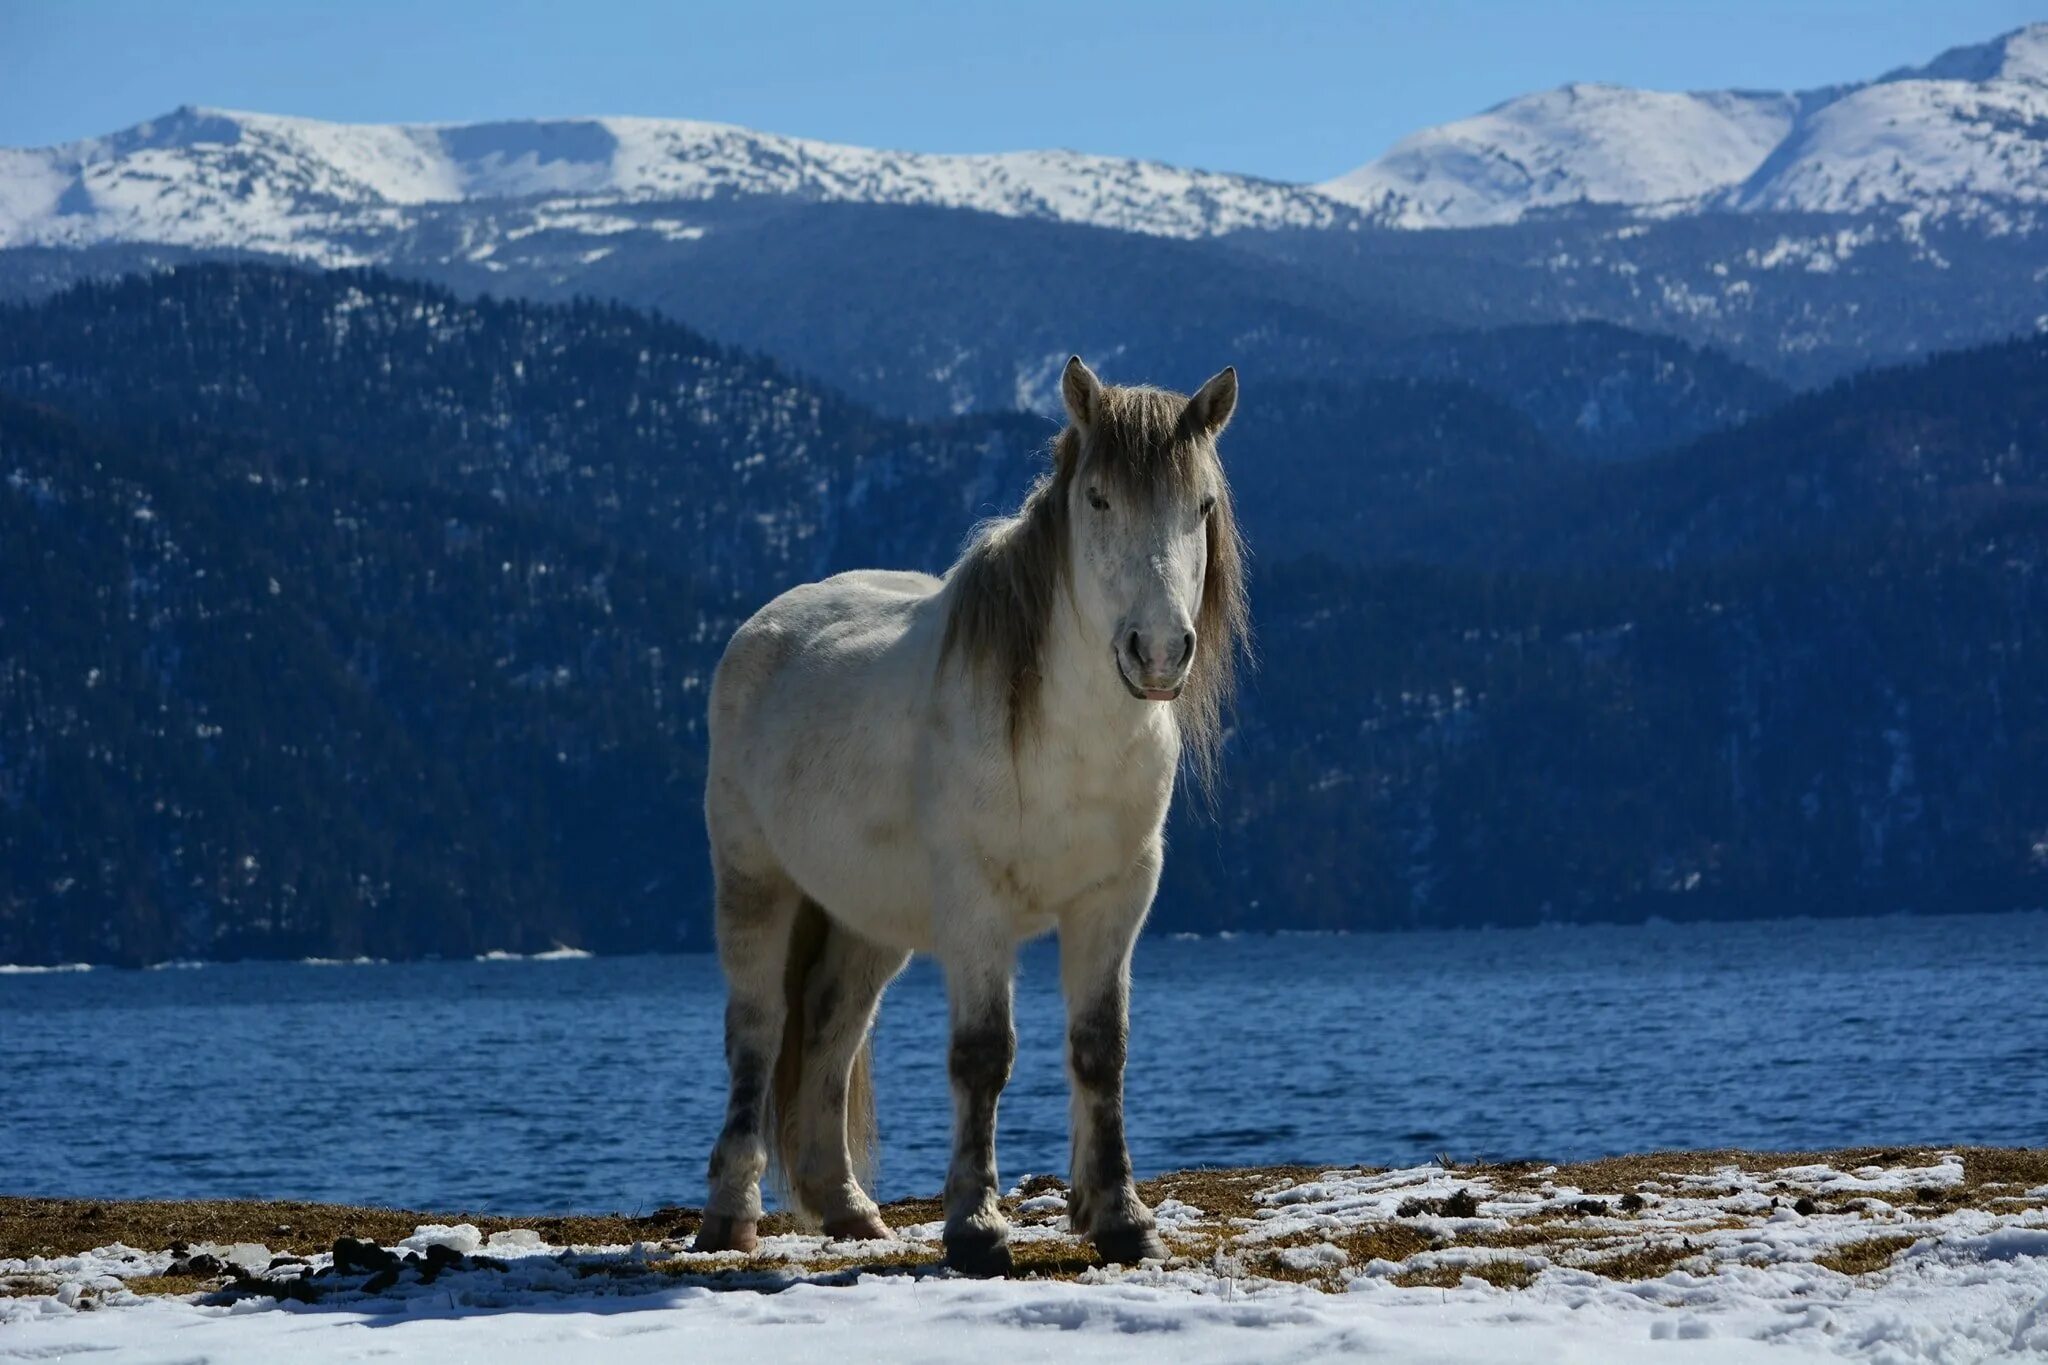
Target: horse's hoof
x,y
981,1255
723,1232
1128,1246
859,1227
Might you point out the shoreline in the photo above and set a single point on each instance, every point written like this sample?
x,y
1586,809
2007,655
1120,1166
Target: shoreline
x,y
1924,1181
566,953
1892,1254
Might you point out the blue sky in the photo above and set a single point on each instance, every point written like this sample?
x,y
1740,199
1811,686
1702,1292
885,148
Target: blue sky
x,y
1296,91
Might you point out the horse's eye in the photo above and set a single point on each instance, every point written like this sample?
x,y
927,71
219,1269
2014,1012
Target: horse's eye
x,y
1097,501
1208,504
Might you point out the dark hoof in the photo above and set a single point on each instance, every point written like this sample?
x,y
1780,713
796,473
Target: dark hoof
x,y
1128,1246
981,1255
722,1232
867,1227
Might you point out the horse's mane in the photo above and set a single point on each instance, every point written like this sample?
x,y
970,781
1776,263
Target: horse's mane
x,y
1003,588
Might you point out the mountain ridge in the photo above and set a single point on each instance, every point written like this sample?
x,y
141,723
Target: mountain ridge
x,y
1965,134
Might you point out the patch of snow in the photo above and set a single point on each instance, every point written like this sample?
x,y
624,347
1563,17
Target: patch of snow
x,y
1746,1287
462,1237
558,953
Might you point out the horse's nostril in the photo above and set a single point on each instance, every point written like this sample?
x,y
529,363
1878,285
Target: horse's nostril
x,y
1137,649
1187,645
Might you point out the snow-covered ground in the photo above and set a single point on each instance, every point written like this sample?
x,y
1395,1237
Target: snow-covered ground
x,y
1917,1257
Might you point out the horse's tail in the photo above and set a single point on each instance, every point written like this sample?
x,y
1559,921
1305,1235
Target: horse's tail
x,y
807,940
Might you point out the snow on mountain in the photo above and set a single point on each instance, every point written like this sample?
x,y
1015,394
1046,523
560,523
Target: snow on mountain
x,y
1919,141
1600,144
2021,55
212,178
1965,134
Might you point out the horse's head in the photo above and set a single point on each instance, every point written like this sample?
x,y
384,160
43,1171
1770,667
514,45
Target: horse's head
x,y
1148,515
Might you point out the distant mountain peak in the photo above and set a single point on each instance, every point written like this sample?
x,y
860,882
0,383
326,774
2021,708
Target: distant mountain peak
x,y
1579,143
2021,55
1967,132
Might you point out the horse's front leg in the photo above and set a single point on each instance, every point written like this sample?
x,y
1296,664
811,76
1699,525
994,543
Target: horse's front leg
x,y
978,968
1096,938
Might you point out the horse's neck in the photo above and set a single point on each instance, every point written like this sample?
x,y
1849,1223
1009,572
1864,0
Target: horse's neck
x,y
1083,703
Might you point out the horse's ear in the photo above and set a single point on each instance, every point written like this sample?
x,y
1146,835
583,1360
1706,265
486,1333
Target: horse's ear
x,y
1209,410
1082,392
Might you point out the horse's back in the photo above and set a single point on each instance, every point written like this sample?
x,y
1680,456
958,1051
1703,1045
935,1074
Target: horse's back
x,y
815,711
815,625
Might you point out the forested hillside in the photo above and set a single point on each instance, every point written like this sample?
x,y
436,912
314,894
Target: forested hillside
x,y
340,616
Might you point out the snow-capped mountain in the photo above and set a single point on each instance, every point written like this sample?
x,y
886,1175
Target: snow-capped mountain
x,y
1600,144
214,178
1921,139
1966,134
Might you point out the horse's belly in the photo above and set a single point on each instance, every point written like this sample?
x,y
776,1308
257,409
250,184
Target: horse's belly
x,y
865,870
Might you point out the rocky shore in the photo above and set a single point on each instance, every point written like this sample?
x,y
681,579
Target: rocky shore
x,y
1912,1252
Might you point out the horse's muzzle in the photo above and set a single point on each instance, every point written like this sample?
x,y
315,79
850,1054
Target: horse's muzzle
x,y
1148,691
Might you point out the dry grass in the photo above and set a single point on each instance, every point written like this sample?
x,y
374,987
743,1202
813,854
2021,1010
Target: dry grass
x,y
1501,1274
167,1284
1228,1195
56,1227
1537,1232
2004,1169
23,1286
1361,1246
1861,1258
1229,1199
1640,1263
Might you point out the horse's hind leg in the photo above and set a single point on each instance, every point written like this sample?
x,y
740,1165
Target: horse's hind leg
x,y
835,1109
754,918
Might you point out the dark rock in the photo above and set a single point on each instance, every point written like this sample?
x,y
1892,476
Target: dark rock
x,y
277,1261
200,1267
1632,1202
1590,1207
380,1281
1805,1206
488,1263
444,1257
299,1289
440,1258
352,1256
1463,1204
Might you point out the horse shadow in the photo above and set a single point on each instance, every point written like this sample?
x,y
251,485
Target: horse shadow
x,y
378,1286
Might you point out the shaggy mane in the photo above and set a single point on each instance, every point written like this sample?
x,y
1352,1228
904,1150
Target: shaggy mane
x,y
1005,584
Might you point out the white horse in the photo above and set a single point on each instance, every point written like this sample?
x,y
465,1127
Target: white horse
x,y
901,763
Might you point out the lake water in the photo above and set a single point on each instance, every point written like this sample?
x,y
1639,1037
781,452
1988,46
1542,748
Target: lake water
x,y
598,1084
